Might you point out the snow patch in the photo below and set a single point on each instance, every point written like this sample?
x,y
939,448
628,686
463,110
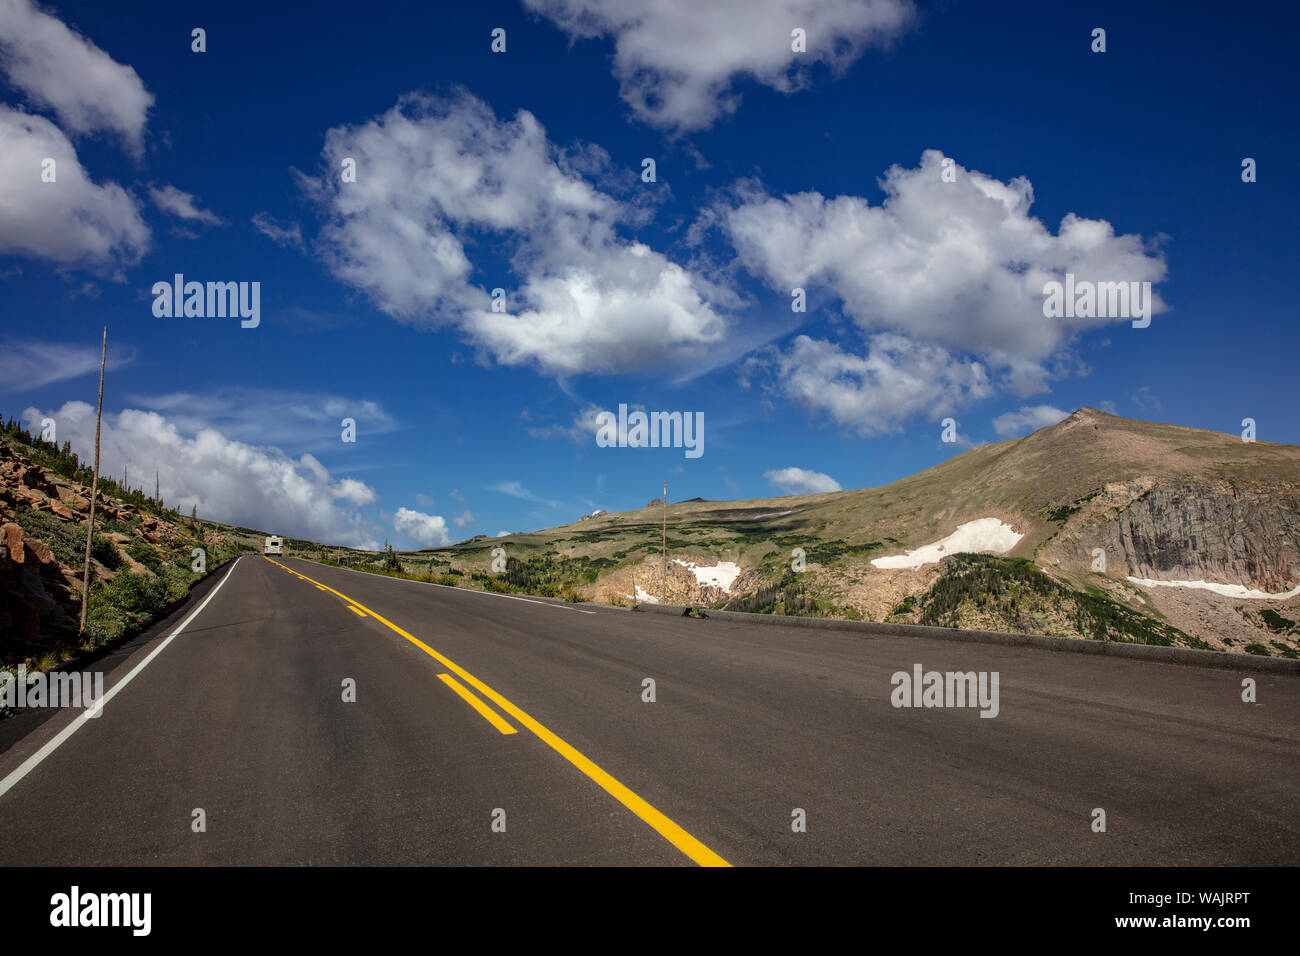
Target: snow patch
x,y
1227,590
721,575
982,534
644,596
772,514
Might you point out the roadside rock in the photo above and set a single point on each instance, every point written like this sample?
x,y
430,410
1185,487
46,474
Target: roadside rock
x,y
13,535
39,551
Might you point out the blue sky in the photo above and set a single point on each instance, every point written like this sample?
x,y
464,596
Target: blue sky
x,y
522,171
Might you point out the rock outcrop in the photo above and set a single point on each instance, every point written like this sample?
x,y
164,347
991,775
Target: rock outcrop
x,y
1196,532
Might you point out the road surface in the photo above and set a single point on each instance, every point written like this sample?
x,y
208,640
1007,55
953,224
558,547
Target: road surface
x,y
493,730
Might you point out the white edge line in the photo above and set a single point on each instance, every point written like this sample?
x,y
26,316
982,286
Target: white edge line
x,y
430,584
35,759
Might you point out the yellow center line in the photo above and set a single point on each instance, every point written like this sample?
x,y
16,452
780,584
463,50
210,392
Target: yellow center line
x,y
664,826
490,715
353,607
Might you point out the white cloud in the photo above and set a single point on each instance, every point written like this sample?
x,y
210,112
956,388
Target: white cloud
x,y
896,380
28,365
801,481
71,221
436,176
463,521
230,481
1030,418
289,236
356,492
429,531
952,272
61,70
181,204
677,61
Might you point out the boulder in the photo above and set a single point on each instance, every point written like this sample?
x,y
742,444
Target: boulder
x,y
39,551
32,496
13,535
62,510
36,478
72,499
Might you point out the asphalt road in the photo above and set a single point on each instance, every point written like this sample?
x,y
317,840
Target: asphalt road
x,y
243,716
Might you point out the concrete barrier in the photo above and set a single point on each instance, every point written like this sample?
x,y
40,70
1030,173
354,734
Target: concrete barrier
x,y
1149,652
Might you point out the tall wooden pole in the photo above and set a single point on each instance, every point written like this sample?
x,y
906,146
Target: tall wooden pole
x,y
665,571
94,485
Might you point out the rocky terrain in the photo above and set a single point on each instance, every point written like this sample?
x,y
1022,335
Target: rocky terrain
x,y
43,517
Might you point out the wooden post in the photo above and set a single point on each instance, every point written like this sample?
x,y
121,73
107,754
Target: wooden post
x,y
664,588
94,485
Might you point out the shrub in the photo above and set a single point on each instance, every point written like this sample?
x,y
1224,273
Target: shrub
x,y
141,552
1276,622
104,551
104,623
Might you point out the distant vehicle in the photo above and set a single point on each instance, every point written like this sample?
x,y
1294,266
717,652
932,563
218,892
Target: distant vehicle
x,y
273,545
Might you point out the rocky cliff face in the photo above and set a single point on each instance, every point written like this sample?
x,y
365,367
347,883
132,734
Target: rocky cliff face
x,y
1211,532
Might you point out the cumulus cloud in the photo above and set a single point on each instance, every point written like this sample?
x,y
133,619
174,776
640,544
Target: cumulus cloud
x,y
898,379
944,278
182,205
71,221
435,176
1029,418
801,481
61,70
677,61
229,481
356,492
429,531
463,521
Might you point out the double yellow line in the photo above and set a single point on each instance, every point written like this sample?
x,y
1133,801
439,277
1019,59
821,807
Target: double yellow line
x,y
665,827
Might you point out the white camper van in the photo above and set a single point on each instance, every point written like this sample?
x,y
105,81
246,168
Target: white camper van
x,y
274,545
